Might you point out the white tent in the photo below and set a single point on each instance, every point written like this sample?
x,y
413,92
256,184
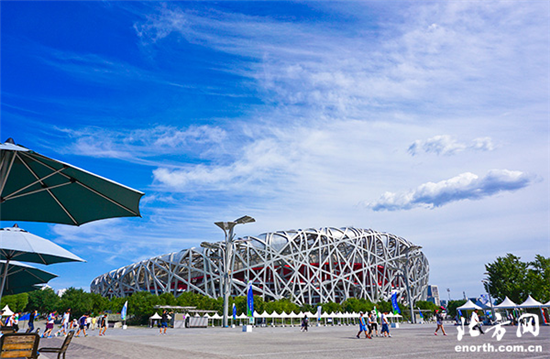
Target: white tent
x,y
155,316
547,304
469,305
7,311
530,303
506,304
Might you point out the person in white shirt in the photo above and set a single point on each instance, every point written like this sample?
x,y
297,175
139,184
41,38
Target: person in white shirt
x,y
64,323
475,322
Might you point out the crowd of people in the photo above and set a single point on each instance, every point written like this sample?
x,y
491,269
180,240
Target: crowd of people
x,y
66,324
368,324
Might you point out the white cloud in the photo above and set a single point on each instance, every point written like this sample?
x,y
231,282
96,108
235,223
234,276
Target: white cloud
x,y
464,186
447,145
140,145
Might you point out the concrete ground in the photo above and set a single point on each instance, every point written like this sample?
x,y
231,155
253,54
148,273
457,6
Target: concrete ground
x,y
413,341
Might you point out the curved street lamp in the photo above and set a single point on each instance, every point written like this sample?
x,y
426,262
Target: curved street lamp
x,y
229,243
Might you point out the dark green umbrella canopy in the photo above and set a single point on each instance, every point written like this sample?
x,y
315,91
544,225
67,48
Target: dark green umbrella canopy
x,y
23,278
36,188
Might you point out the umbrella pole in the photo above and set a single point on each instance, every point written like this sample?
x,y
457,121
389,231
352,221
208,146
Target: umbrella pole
x,y
4,277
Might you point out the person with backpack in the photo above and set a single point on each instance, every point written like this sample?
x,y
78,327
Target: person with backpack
x,y
82,325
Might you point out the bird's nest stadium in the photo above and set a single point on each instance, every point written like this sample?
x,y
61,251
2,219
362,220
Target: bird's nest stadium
x,y
306,266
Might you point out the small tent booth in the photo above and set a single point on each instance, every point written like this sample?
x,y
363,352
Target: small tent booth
x,y
186,317
531,303
469,306
154,319
506,305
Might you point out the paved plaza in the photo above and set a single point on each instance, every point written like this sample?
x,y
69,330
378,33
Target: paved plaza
x,y
413,341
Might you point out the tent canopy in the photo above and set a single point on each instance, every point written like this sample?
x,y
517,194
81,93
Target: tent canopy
x,y
530,303
469,305
155,316
506,304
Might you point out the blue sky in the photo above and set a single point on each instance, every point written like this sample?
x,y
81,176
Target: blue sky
x,y
428,120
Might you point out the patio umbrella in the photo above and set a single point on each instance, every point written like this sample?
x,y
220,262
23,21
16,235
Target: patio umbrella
x,y
37,188
18,244
23,278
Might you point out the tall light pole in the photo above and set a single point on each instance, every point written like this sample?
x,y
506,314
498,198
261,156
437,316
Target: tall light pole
x,y
405,271
486,285
227,228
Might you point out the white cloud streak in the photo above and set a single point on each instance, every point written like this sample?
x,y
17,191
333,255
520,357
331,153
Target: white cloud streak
x,y
464,186
447,145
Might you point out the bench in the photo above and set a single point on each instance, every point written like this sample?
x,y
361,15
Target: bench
x,y
7,329
60,350
19,345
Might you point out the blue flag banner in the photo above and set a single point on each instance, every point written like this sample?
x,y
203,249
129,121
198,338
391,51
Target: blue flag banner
x,y
460,312
420,313
250,301
319,310
124,311
234,312
396,309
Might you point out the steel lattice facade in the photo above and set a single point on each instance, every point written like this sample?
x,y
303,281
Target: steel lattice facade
x,y
307,266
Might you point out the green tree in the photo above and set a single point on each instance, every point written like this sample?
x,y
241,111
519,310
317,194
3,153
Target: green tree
x,y
44,301
16,302
507,276
538,278
78,300
452,305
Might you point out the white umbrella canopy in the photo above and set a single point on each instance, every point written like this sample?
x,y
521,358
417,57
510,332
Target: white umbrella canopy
x,y
531,303
469,305
506,304
18,244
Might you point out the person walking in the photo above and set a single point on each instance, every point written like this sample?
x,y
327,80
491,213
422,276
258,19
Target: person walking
x,y
30,323
362,327
304,323
164,322
439,320
475,322
102,324
64,323
385,326
374,323
82,325
49,325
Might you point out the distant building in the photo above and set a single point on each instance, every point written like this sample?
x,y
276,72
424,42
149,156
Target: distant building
x,y
307,266
433,295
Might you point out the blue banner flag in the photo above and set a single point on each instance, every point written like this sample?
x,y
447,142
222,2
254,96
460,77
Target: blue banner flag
x,y
420,313
460,312
250,301
234,312
124,311
396,309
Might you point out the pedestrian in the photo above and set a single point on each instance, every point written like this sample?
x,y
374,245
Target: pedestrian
x,y
362,326
65,323
49,325
475,322
374,322
304,323
385,326
16,322
102,324
164,322
439,320
30,323
82,325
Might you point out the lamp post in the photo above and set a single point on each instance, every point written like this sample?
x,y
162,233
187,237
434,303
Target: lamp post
x,y
227,228
486,286
406,276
